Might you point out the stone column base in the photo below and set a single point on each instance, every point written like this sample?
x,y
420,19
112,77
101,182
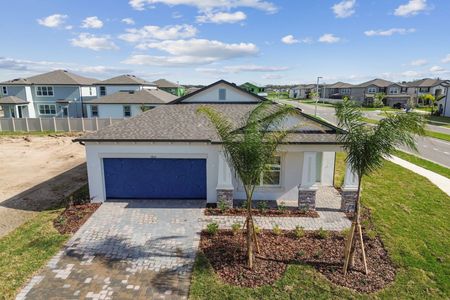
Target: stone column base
x,y
225,195
348,200
307,199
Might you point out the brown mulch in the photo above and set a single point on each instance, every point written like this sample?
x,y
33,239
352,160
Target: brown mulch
x,y
262,213
71,219
227,255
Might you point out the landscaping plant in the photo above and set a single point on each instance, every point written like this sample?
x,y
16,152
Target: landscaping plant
x,y
299,232
249,149
367,147
236,228
277,230
212,228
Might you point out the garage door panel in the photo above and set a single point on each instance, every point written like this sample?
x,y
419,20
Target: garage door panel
x,y
155,178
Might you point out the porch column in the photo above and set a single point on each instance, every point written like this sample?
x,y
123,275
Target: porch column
x,y
224,187
349,190
308,186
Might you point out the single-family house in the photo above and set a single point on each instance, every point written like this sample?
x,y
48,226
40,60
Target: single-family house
x,y
58,93
395,93
123,83
303,91
435,87
444,103
126,104
174,152
338,90
170,87
254,88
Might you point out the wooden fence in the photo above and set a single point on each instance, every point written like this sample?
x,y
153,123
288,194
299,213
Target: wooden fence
x,y
55,124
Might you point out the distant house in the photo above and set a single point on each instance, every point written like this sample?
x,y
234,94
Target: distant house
x,y
395,93
444,103
303,91
435,87
254,88
126,104
170,87
57,93
338,90
122,83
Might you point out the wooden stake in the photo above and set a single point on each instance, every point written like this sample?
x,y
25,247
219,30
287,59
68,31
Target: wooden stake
x,y
362,249
348,248
255,238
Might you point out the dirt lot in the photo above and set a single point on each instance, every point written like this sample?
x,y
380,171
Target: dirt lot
x,y
37,173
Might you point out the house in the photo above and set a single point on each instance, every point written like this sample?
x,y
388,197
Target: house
x,y
125,104
122,83
254,88
395,93
58,93
174,152
444,103
170,87
303,91
338,90
435,87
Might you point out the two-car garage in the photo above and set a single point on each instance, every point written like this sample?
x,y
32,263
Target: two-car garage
x,y
155,178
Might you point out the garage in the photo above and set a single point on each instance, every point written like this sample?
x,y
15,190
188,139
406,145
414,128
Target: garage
x,y
155,178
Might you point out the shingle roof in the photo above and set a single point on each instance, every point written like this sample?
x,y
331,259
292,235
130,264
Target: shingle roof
x,y
126,79
145,96
163,83
426,82
183,123
340,85
57,77
377,82
12,100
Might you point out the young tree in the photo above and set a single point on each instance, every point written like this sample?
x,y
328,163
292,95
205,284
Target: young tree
x,y
367,147
250,149
430,99
378,100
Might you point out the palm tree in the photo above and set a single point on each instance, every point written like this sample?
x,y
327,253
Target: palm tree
x,y
367,147
250,149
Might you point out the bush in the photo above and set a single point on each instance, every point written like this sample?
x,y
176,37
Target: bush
x,y
299,232
236,228
281,207
322,234
80,196
212,228
222,205
257,229
277,230
345,232
262,206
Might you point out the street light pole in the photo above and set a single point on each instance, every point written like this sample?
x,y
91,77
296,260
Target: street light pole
x,y
317,95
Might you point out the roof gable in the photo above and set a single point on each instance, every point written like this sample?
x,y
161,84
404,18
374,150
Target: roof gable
x,y
164,83
125,79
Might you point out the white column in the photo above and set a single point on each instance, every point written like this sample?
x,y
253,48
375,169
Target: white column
x,y
224,179
29,98
309,171
350,179
327,177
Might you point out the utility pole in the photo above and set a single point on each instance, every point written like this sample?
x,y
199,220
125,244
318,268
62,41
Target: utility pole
x,y
317,95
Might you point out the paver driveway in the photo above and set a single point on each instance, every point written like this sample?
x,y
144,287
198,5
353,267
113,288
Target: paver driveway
x,y
127,250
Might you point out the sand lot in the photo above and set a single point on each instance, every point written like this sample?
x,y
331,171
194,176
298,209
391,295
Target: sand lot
x,y
37,173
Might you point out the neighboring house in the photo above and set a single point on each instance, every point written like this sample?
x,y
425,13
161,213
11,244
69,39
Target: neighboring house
x,y
435,87
444,103
170,87
127,103
254,88
58,93
303,91
395,93
338,90
174,152
123,83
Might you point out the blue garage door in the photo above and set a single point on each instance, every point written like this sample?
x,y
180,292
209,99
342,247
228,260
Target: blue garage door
x,y
155,178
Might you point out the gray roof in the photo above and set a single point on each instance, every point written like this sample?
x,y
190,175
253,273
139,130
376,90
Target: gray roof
x,y
340,85
57,77
144,96
182,123
12,100
163,83
377,82
426,82
126,79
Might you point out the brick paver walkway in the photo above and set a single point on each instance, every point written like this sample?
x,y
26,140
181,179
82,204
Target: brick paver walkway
x,y
126,250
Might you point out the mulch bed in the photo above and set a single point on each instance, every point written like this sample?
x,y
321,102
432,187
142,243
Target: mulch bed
x,y
262,213
227,254
71,219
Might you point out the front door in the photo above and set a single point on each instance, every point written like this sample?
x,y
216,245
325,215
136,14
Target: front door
x,y
65,111
20,112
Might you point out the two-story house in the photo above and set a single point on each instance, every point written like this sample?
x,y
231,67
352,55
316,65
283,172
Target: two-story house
x,y
170,87
122,83
435,87
395,93
58,93
338,90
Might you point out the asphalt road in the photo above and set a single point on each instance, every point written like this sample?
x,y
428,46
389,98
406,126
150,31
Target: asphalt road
x,y
432,149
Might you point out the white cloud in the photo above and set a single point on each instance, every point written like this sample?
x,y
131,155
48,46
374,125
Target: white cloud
x,y
53,21
150,33
207,5
92,22
446,59
241,68
272,76
437,69
128,21
411,74
222,17
93,42
289,39
418,62
329,38
389,32
413,7
344,9
192,52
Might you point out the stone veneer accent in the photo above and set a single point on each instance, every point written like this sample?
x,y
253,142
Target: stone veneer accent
x,y
348,201
226,196
307,199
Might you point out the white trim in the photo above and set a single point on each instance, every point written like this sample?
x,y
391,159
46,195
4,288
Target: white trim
x,y
45,114
46,86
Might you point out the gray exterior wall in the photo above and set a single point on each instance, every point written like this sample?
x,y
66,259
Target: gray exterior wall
x,y
14,90
70,93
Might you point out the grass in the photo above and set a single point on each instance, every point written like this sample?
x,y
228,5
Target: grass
x,y
411,216
424,163
25,250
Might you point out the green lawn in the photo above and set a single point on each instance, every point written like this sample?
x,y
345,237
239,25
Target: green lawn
x,y
411,216
424,163
25,250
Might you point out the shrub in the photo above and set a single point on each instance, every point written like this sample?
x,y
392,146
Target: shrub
x,y
244,204
80,196
322,234
222,205
299,232
212,228
262,206
257,229
345,232
236,228
371,234
277,230
281,206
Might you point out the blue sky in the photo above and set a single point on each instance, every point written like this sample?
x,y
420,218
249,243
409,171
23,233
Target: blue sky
x,y
200,41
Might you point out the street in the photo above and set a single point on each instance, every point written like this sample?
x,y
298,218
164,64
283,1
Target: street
x,y
432,149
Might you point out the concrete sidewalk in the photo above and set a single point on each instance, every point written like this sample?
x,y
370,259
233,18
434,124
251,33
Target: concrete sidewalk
x,y
440,181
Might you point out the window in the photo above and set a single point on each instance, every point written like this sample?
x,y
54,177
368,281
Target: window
x,y
45,91
103,91
12,112
272,174
222,94
345,91
90,91
372,90
5,90
94,110
393,90
47,109
126,111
